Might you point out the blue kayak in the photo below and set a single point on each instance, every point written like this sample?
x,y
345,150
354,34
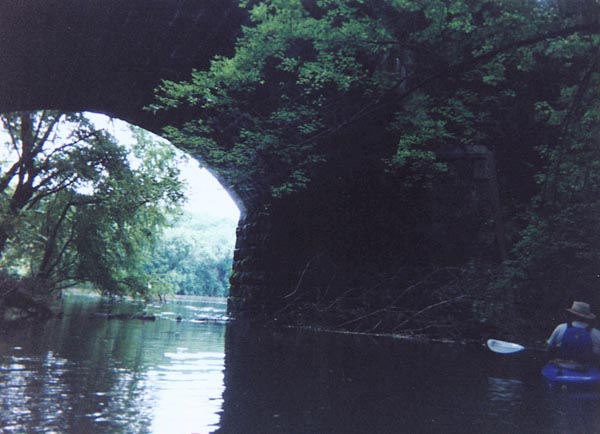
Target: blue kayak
x,y
566,373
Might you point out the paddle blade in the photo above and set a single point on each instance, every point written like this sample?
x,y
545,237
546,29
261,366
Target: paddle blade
x,y
503,347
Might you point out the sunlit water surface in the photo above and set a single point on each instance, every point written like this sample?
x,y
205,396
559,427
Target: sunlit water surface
x,y
85,373
90,374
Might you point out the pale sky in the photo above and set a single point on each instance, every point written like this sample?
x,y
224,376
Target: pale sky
x,y
204,193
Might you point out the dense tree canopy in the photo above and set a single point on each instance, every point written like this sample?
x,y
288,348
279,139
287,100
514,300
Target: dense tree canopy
x,y
77,206
194,256
438,75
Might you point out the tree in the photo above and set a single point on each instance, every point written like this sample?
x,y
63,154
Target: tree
x,y
435,74
195,255
119,236
422,80
556,256
82,211
40,169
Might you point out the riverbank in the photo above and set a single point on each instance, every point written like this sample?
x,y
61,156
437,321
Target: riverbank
x,y
444,305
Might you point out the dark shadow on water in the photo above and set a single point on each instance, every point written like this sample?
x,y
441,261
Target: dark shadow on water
x,y
299,382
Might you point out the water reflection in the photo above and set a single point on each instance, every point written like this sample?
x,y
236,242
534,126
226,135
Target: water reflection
x,y
192,383
574,411
32,391
504,390
299,382
85,374
504,397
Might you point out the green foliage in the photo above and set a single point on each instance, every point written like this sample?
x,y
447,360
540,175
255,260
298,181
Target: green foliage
x,y
439,75
194,257
75,209
429,79
261,113
556,256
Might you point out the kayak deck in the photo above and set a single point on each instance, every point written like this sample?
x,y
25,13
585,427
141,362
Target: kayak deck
x,y
571,373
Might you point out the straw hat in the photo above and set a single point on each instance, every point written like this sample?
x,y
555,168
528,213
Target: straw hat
x,y
582,310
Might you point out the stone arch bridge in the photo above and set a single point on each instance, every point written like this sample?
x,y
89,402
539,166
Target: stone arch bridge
x,y
107,56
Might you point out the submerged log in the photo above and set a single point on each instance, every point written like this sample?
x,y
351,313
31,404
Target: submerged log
x,y
124,316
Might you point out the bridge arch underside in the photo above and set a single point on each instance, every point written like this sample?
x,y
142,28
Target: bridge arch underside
x,y
350,234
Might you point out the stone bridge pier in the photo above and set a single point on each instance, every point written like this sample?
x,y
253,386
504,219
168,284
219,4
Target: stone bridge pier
x,y
354,227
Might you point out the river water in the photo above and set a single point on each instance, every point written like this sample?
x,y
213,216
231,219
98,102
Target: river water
x,y
86,373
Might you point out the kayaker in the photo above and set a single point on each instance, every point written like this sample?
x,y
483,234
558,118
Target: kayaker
x,y
576,340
